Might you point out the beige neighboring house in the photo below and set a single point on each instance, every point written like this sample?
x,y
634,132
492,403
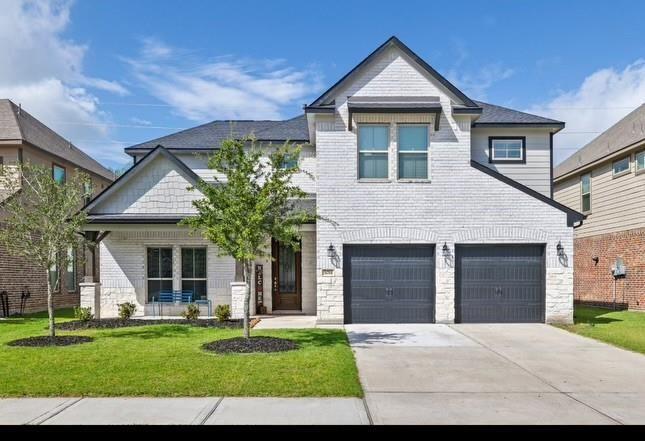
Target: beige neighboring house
x,y
25,139
606,181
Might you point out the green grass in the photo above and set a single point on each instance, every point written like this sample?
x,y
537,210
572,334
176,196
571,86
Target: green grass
x,y
621,328
167,360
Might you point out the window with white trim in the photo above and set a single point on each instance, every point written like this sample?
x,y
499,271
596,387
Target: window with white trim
x,y
620,167
193,272
70,273
413,151
507,149
640,161
585,192
373,144
159,271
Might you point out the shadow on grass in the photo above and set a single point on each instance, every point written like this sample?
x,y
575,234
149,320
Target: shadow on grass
x,y
314,337
147,332
593,316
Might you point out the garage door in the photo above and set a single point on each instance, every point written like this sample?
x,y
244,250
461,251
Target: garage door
x,y
389,284
499,283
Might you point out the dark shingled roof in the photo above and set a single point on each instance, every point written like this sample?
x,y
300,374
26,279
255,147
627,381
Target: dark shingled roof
x,y
17,124
492,114
625,133
211,135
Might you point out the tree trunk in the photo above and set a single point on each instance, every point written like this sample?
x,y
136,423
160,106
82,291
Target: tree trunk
x,y
247,299
50,308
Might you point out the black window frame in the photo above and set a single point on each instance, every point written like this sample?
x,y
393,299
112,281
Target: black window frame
x,y
195,279
160,279
492,160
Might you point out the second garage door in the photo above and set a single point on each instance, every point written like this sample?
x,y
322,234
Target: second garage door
x,y
499,283
389,284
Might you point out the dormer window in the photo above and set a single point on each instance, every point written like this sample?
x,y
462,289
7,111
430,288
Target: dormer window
x,y
507,149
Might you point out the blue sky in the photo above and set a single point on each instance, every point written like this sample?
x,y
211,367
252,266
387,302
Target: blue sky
x,y
108,74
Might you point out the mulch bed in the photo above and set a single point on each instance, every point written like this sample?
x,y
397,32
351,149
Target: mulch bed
x,y
44,341
112,323
241,345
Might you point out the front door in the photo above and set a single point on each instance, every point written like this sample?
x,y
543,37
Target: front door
x,y
286,269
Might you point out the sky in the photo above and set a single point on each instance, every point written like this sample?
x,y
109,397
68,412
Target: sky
x,y
107,74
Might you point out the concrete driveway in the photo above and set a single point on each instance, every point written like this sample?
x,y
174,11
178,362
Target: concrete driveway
x,y
495,374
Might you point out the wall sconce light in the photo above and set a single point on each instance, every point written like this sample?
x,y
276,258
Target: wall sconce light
x,y
595,260
331,251
445,250
560,249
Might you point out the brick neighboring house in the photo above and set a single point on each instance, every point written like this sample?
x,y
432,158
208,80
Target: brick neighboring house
x,y
25,139
605,179
442,206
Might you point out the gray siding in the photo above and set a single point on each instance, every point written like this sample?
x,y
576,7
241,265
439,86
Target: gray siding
x,y
536,173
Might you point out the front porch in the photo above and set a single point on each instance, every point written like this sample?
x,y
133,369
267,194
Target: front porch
x,y
136,263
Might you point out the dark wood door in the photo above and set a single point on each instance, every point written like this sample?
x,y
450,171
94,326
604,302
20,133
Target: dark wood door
x,y
286,274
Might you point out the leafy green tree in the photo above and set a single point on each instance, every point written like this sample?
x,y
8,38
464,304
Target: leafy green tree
x,y
41,220
253,201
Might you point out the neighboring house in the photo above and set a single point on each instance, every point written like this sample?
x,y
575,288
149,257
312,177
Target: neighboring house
x,y
442,208
25,139
606,180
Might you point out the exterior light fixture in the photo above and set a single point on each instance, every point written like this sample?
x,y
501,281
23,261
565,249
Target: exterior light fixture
x,y
331,251
595,260
445,250
560,249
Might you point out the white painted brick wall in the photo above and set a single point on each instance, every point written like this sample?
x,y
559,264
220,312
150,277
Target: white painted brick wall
x,y
460,205
123,267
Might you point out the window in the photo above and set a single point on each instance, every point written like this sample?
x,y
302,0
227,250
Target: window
x,y
585,192
413,152
290,162
373,143
54,278
159,271
58,173
640,162
620,167
70,274
502,149
87,191
193,271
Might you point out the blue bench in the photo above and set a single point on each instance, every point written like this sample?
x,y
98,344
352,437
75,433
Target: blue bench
x,y
184,297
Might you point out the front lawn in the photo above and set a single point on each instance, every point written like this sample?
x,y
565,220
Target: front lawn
x,y
167,360
621,328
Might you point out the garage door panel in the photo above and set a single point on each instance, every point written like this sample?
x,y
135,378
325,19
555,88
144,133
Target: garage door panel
x,y
499,283
389,283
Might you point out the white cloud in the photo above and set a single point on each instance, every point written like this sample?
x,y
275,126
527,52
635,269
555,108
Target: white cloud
x,y
44,72
223,88
476,84
603,98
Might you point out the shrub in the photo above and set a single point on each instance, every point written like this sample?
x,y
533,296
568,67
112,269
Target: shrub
x,y
191,312
223,312
127,310
83,314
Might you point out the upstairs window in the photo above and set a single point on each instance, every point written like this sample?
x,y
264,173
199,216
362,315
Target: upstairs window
x,y
59,173
373,144
87,191
620,167
413,152
585,192
502,149
640,162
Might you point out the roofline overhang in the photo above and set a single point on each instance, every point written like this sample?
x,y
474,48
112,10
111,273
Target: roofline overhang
x,y
133,151
573,216
596,162
136,220
319,109
405,49
523,125
467,110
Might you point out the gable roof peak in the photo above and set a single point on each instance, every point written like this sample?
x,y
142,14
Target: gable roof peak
x,y
394,41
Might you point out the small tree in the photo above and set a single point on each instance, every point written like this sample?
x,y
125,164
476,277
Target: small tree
x,y
253,202
41,219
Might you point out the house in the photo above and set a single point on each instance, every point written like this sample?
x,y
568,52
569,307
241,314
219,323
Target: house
x,y
25,139
442,208
605,180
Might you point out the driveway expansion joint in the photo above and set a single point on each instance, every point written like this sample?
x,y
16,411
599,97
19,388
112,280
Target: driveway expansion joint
x,y
52,413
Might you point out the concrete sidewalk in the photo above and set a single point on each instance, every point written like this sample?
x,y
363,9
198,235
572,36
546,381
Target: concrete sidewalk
x,y
185,411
